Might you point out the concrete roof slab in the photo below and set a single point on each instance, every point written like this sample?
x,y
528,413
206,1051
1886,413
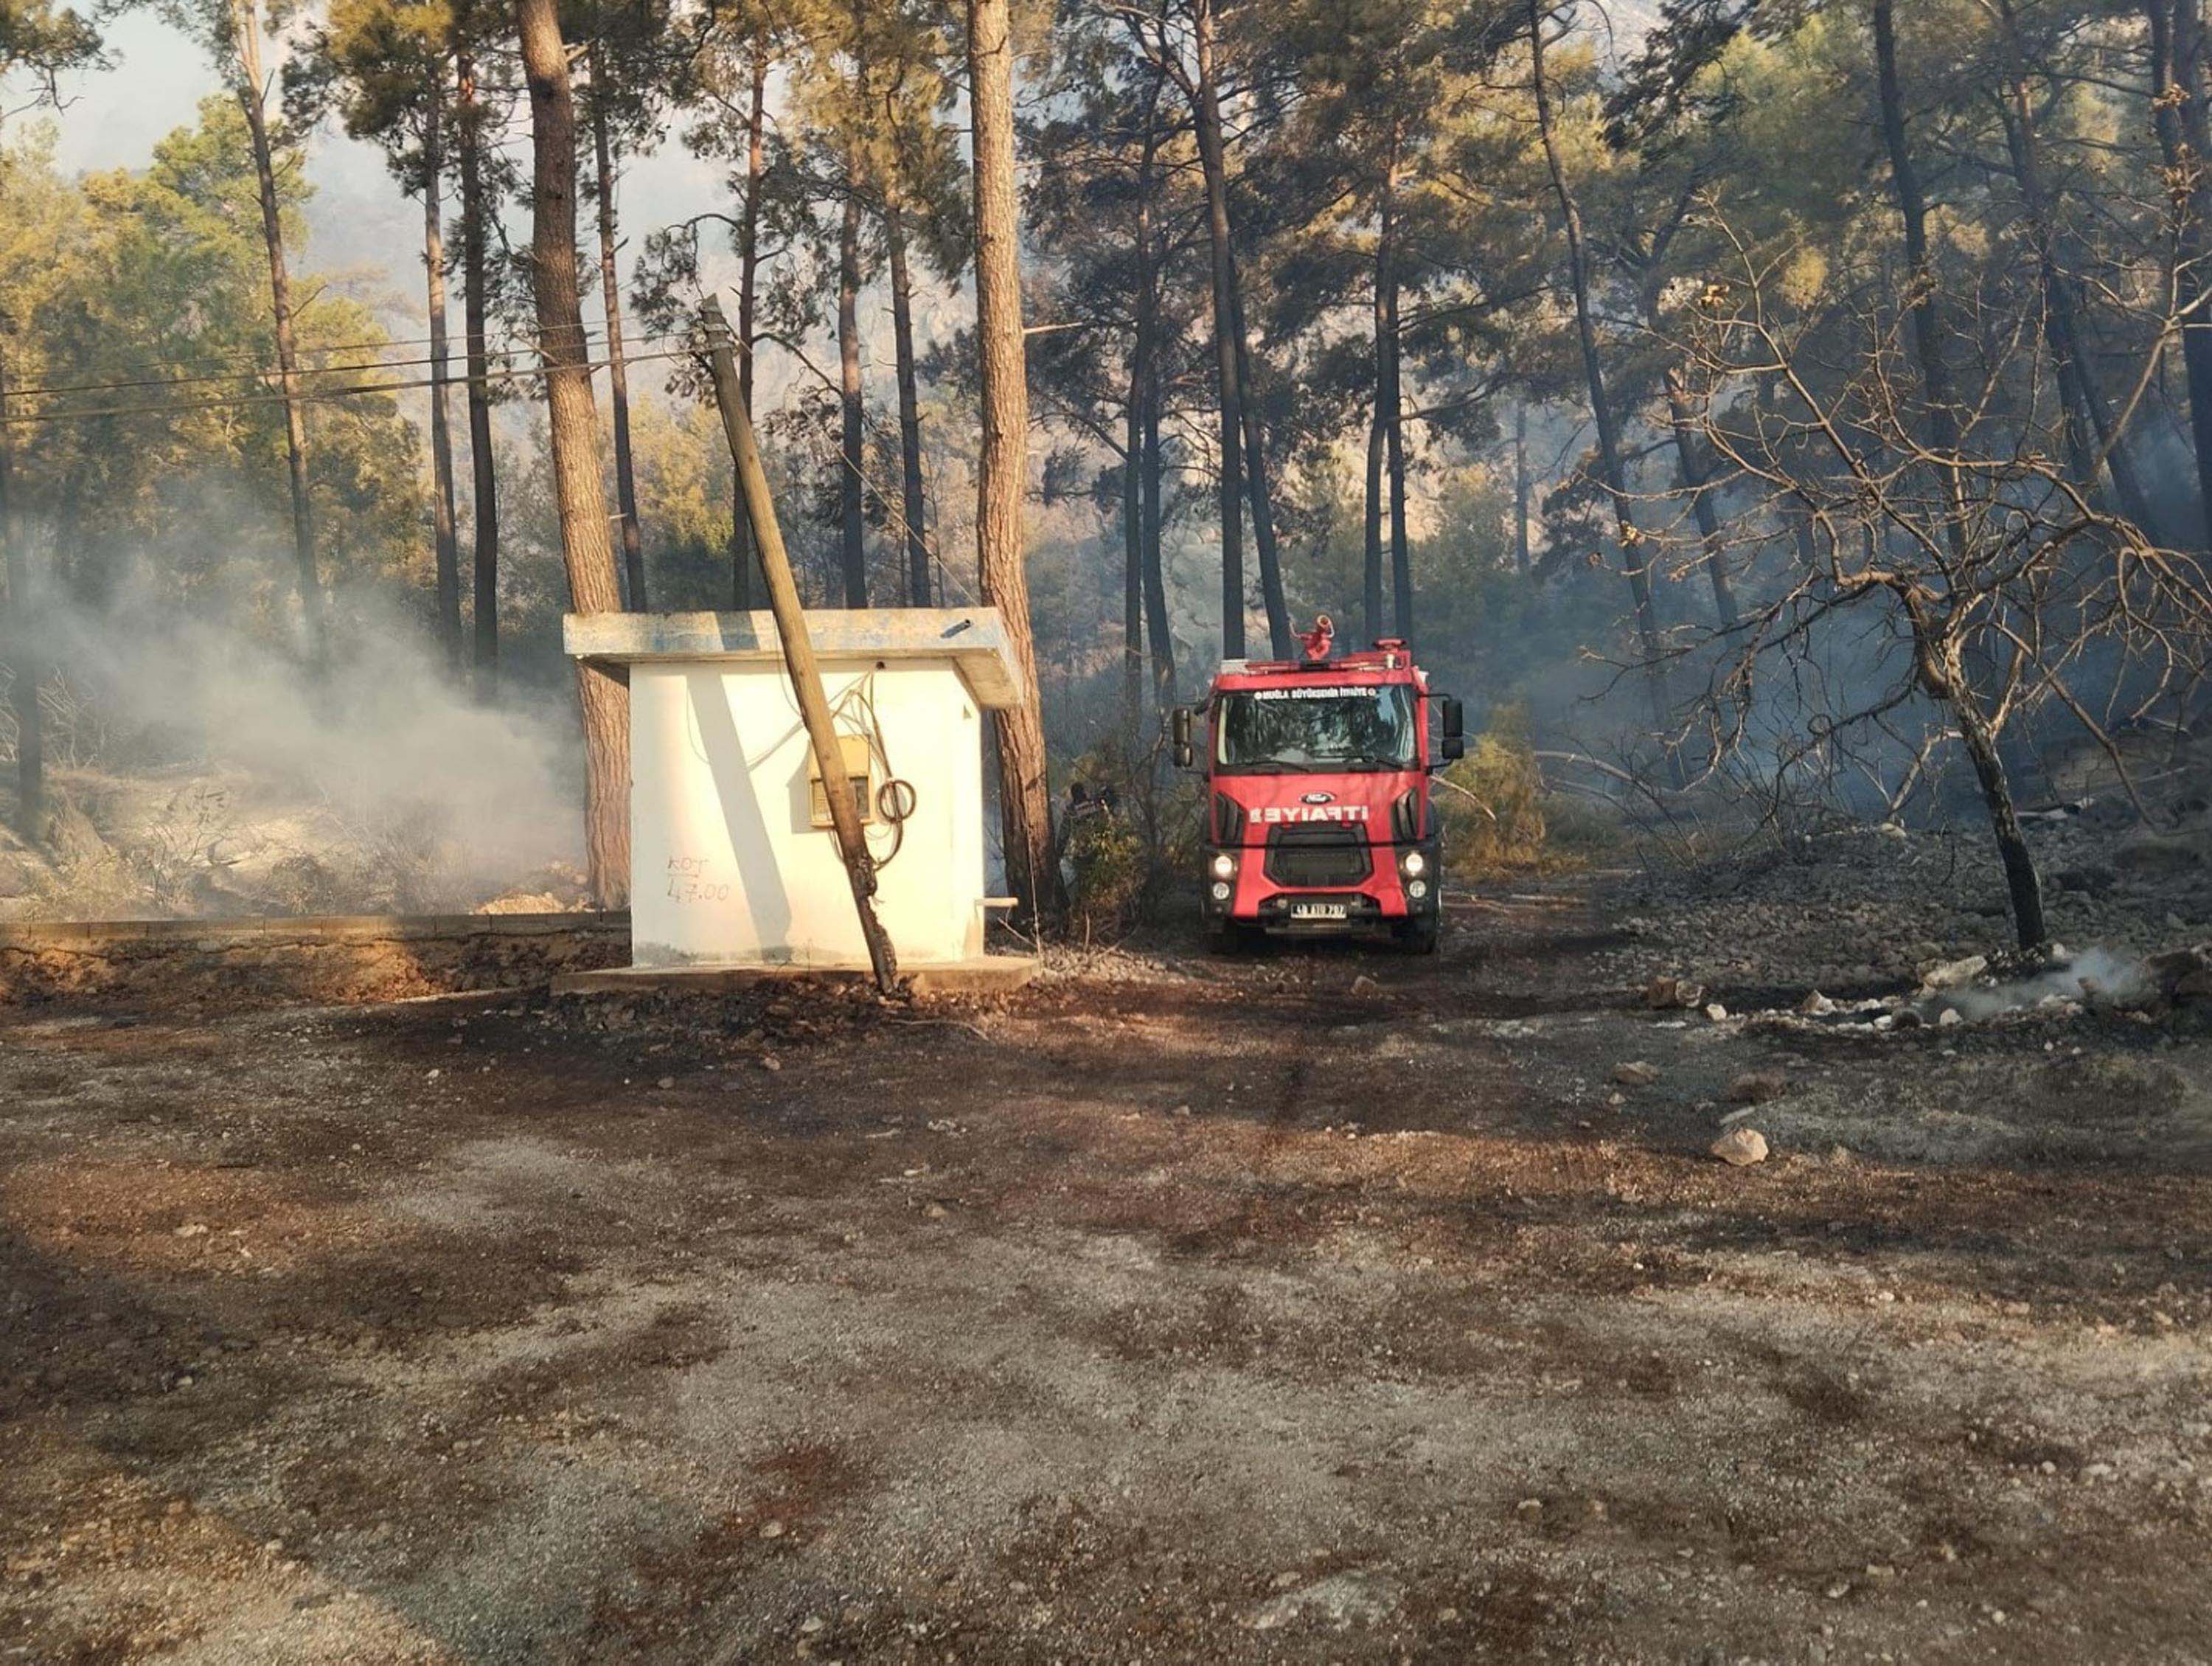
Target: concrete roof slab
x,y
974,638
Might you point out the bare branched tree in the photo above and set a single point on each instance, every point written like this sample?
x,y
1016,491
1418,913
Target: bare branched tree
x,y
1904,596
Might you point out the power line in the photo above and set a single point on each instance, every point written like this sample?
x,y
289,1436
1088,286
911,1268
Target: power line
x,y
456,340
328,395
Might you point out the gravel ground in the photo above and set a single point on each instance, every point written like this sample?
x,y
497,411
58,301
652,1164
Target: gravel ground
x,y
1314,1306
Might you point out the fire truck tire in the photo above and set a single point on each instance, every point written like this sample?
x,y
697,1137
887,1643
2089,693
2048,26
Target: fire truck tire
x,y
1416,936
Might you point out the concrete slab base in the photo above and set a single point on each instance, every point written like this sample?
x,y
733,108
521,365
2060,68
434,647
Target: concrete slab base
x,y
987,974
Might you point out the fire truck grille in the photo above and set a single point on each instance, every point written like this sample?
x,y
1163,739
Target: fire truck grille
x,y
1324,855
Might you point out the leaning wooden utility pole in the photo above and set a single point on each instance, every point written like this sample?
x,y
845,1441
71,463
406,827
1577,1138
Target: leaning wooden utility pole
x,y
797,644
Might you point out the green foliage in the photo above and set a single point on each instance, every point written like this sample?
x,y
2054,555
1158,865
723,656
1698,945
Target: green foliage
x,y
183,487
1107,872
1497,818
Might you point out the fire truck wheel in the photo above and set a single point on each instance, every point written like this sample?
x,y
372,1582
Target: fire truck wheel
x,y
1416,936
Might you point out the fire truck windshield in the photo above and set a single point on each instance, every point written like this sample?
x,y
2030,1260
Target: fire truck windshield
x,y
1300,727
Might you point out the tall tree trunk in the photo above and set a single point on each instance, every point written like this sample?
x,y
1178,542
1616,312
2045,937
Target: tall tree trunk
x,y
1943,412
633,538
2177,106
2023,885
1144,304
441,437
1393,436
476,266
1264,547
1633,559
1943,676
913,509
1133,543
1133,514
852,448
251,88
1002,463
1207,113
2063,309
1681,421
1521,560
1372,567
24,659
741,548
1378,411
1158,630
575,431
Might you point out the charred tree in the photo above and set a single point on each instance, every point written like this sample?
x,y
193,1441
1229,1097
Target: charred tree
x,y
852,448
475,274
251,87
913,509
21,643
742,559
2184,139
1264,548
1634,564
1158,629
633,540
1206,113
1937,395
1521,560
574,426
446,545
1002,472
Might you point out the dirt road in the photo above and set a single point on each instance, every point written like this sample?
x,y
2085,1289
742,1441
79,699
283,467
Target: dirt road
x,y
1312,1307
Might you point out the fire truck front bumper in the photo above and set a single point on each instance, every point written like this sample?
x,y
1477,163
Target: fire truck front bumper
x,y
1244,887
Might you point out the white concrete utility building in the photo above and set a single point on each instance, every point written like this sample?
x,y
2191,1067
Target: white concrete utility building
x,y
733,862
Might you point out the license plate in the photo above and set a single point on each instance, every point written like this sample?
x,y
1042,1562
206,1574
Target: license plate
x,y
1321,911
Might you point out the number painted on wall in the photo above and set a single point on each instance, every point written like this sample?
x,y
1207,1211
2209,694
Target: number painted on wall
x,y
690,880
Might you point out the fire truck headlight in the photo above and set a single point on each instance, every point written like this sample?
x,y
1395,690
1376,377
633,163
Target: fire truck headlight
x,y
1221,890
1225,867
1414,863
1417,889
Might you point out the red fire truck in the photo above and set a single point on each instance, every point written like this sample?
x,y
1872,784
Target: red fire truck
x,y
1319,820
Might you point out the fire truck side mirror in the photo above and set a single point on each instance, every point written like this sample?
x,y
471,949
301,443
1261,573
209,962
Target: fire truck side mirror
x,y
1179,736
1451,729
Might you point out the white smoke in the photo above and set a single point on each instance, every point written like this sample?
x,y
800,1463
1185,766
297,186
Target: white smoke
x,y
383,757
2093,975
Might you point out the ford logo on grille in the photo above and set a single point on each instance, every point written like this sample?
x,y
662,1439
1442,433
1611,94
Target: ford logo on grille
x,y
1319,797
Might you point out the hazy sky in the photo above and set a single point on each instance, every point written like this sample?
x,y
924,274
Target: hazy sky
x,y
360,225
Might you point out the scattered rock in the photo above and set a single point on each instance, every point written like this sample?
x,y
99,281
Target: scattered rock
x,y
1664,994
1741,1147
1717,1012
192,1230
2182,976
1365,985
1339,1600
1636,1074
1816,1005
1756,1087
1953,973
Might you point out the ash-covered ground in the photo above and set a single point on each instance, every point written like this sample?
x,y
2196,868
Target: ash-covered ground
x,y
1320,1306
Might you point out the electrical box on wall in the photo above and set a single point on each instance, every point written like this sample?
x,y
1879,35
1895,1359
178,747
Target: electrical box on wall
x,y
859,777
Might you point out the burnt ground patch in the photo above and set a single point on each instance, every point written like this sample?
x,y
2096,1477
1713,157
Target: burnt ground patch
x,y
1303,1306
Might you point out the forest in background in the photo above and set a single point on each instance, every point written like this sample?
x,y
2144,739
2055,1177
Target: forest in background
x,y
1808,402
